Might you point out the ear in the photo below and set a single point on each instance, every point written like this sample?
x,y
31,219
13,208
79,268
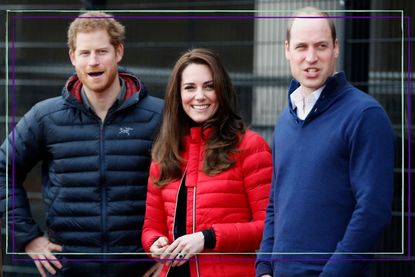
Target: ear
x,y
287,50
336,48
72,57
119,52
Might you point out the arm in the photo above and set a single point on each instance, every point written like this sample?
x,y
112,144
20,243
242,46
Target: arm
x,y
24,146
255,159
263,262
155,217
24,151
371,176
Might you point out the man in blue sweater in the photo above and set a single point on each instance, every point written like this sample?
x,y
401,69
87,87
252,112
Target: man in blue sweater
x,y
94,142
333,153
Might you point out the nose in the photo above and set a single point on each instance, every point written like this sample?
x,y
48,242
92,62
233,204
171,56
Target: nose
x,y
93,59
311,56
200,94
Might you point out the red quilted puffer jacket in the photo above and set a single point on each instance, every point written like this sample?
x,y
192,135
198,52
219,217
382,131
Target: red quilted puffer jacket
x,y
232,202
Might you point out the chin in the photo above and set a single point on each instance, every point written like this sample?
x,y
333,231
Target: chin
x,y
200,121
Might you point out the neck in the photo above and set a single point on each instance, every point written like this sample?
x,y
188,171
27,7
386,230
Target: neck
x,y
103,100
306,92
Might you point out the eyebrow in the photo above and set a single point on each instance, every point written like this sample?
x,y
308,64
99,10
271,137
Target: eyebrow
x,y
95,49
307,43
205,83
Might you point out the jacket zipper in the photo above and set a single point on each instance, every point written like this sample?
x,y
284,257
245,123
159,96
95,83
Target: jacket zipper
x,y
103,182
194,227
103,188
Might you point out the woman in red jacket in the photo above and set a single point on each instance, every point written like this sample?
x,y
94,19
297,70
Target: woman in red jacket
x,y
210,177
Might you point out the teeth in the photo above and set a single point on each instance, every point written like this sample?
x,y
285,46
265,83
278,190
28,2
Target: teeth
x,y
311,70
201,107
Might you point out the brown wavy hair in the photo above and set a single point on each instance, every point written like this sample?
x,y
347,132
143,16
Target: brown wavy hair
x,y
92,21
226,124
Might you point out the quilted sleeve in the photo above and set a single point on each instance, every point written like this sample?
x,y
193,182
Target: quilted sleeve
x,y
257,170
155,219
20,151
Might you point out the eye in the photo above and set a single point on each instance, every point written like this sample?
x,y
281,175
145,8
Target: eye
x,y
188,87
323,46
300,47
209,87
102,51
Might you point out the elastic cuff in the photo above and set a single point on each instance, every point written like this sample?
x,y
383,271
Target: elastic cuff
x,y
263,268
210,238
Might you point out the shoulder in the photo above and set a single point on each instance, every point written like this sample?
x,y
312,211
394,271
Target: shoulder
x,y
47,107
254,153
154,172
363,114
361,106
360,101
154,166
283,116
152,104
253,142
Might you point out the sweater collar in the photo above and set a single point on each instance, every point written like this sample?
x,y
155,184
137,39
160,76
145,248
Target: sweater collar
x,y
335,85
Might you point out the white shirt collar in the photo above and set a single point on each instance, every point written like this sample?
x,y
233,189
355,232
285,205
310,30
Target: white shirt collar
x,y
303,103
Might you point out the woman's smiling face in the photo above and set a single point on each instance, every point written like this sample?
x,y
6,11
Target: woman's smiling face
x,y
198,94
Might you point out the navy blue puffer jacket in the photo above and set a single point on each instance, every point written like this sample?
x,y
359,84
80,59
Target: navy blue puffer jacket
x,y
94,174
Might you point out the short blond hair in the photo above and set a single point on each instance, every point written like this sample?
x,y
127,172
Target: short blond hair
x,y
92,21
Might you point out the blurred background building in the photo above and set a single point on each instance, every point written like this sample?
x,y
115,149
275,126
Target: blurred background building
x,y
373,56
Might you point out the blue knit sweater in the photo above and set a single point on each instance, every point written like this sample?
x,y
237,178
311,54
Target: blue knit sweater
x,y
332,185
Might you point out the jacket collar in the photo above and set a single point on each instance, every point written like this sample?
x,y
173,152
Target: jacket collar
x,y
198,134
134,92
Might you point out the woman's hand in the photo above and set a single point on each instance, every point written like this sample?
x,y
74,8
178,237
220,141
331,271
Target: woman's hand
x,y
158,247
184,248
